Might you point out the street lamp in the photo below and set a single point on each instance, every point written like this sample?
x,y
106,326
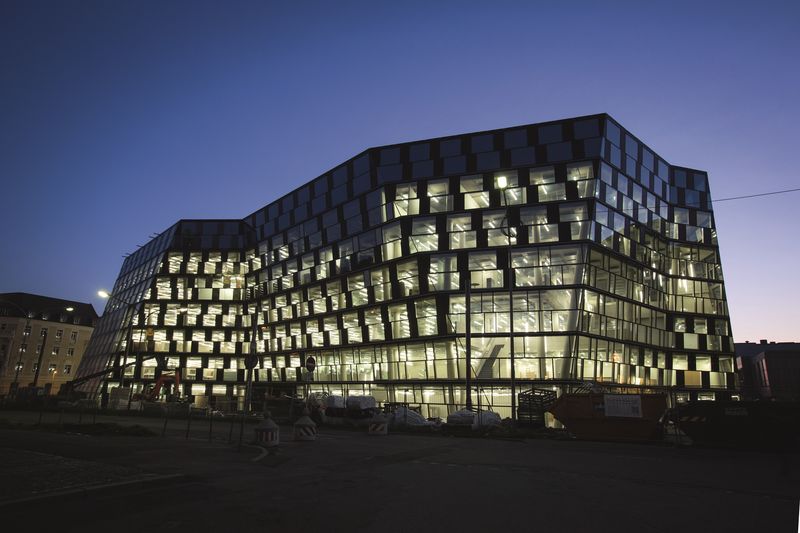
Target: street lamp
x,y
251,361
26,333
502,184
128,338
468,347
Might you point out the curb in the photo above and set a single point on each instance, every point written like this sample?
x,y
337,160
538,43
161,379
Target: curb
x,y
85,490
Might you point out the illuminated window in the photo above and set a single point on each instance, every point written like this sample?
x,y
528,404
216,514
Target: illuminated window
x,y
426,316
444,273
680,362
552,192
484,272
408,276
541,176
582,171
398,317
440,201
459,227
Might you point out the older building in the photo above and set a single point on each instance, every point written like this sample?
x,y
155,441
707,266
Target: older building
x,y
42,340
443,272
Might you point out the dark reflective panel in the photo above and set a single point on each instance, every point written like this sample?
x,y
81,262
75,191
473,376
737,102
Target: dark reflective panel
x,y
351,209
390,173
680,178
482,143
515,138
287,203
488,161
390,156
339,194
361,165
422,169
591,147
615,155
321,186
559,151
586,128
340,175
523,156
418,152
663,169
612,132
318,205
550,134
450,147
647,159
454,165
303,195
699,182
361,183
631,147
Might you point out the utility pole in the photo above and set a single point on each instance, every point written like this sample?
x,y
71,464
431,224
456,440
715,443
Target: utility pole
x,y
26,335
503,184
251,361
468,337
39,359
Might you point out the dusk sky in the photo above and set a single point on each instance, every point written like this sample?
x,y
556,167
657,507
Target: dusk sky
x,y
119,118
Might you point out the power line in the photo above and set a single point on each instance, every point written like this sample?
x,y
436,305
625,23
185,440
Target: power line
x,y
710,201
755,195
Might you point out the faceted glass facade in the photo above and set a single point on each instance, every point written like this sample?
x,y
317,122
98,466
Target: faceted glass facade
x,y
393,271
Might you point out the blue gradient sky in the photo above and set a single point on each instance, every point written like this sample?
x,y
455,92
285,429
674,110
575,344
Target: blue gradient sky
x,y
118,118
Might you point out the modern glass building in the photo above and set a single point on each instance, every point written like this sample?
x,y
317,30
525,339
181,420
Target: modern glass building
x,y
441,272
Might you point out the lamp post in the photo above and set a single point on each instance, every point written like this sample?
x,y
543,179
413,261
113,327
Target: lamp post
x,y
39,358
468,338
251,361
26,334
130,309
502,184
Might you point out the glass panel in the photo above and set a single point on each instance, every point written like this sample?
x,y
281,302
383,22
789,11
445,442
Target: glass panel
x,y
544,175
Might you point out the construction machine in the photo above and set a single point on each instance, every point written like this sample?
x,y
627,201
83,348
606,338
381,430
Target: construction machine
x,y
69,392
170,383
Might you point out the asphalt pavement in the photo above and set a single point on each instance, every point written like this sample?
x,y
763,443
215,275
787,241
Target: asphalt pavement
x,y
349,481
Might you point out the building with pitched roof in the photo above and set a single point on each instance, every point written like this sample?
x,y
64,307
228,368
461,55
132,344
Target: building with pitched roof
x,y
42,340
